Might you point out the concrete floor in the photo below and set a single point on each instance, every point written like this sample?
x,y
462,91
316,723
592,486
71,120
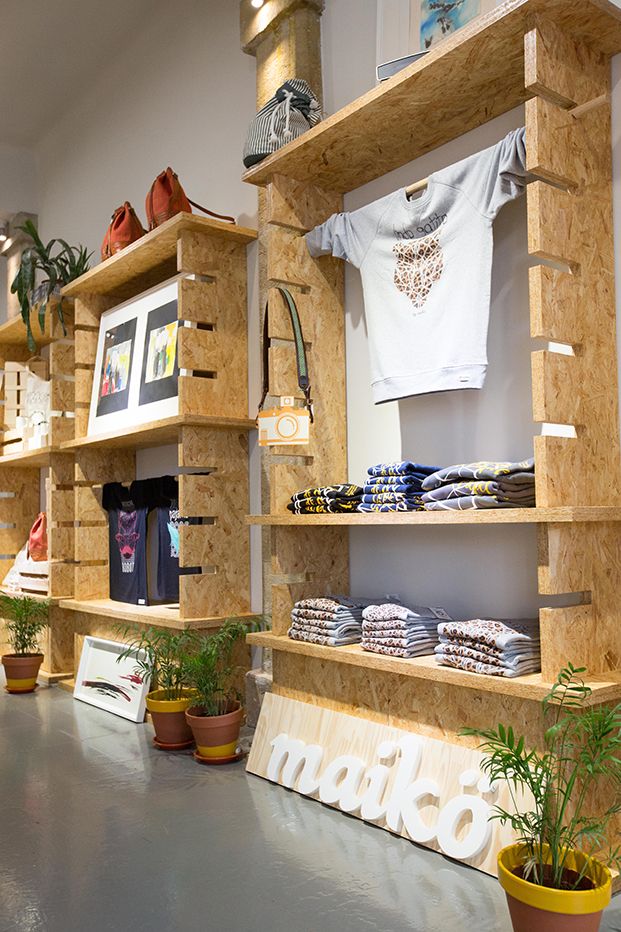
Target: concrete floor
x,y
99,832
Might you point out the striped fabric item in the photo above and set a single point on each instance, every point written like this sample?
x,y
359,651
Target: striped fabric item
x,y
290,112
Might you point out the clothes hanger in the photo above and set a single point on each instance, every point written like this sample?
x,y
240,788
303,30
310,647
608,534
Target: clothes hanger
x,y
416,187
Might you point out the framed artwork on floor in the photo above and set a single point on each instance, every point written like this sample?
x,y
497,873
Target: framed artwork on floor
x,y
109,684
136,367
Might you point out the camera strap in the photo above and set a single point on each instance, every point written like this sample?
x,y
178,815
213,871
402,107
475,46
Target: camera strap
x,y
300,350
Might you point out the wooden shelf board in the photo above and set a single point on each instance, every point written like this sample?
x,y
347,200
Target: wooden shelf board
x,y
156,433
466,80
158,615
605,688
13,333
430,518
53,678
13,330
33,458
55,600
153,250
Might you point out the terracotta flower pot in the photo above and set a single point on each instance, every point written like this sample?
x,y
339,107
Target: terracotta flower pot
x,y
534,908
216,736
21,672
168,715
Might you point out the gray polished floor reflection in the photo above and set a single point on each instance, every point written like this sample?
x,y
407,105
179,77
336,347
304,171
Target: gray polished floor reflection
x,y
99,832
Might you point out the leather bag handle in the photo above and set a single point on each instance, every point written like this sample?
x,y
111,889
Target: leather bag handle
x,y
300,350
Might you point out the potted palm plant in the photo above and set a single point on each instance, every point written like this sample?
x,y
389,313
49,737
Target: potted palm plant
x,y
215,715
555,876
161,658
25,619
59,263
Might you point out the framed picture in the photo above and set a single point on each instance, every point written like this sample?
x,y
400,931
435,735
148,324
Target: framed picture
x,y
405,27
136,367
115,368
160,367
434,20
110,684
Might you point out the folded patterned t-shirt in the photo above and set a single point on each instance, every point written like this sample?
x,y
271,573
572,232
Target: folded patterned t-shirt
x,y
474,502
482,470
405,468
513,661
504,491
501,635
486,669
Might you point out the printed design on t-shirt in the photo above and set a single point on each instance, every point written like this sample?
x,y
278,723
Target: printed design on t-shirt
x,y
175,521
127,537
173,533
420,264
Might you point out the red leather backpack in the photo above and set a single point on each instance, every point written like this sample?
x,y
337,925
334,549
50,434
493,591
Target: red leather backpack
x,y
166,198
37,539
124,228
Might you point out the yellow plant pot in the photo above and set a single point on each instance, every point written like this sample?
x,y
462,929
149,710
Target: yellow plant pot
x,y
157,703
535,908
172,732
21,671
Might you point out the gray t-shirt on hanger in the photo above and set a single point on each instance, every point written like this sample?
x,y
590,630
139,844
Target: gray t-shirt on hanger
x,y
426,269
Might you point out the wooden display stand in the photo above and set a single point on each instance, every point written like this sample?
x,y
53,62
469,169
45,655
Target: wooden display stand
x,y
555,57
211,428
20,474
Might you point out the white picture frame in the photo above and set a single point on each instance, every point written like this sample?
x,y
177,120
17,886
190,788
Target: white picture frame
x,y
121,690
120,397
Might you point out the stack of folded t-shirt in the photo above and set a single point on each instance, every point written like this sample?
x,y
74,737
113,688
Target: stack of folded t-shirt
x,y
481,485
327,500
494,648
400,631
333,621
394,487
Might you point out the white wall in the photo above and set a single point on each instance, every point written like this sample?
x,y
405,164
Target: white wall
x,y
181,93
18,194
18,181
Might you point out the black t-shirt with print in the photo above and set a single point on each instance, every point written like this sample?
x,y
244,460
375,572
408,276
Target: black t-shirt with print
x,y
127,523
165,492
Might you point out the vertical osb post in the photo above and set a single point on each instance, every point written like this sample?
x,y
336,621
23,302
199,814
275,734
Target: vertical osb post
x,y
219,546
286,39
572,303
62,373
213,347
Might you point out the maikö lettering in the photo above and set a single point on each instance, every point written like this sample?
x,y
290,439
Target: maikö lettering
x,y
292,762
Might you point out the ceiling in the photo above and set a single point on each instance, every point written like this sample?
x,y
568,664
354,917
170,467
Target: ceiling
x,y
49,49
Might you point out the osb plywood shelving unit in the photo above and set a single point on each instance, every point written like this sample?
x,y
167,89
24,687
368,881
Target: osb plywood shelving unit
x,y
20,473
208,259
554,56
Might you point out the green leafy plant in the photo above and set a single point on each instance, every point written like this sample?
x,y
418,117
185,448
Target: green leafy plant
x,y
164,661
59,264
575,783
210,669
25,619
